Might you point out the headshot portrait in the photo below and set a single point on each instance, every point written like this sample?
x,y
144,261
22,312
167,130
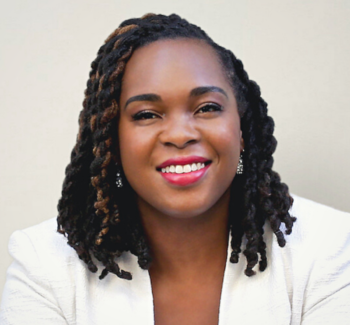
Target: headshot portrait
x,y
175,163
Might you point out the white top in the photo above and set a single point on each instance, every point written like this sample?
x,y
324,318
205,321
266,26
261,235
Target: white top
x,y
306,282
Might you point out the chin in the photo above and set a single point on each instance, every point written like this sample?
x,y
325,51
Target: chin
x,y
185,210
184,214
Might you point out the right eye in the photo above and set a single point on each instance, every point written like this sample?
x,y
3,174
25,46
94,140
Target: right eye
x,y
144,115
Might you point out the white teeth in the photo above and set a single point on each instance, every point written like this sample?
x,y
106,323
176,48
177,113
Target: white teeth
x,y
179,169
187,168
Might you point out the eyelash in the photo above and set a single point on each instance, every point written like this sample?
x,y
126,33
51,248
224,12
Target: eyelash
x,y
143,115
214,108
147,115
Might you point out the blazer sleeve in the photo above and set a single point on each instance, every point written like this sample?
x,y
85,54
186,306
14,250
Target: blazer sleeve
x,y
327,297
28,297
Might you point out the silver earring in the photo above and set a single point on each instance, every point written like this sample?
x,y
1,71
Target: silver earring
x,y
119,180
240,165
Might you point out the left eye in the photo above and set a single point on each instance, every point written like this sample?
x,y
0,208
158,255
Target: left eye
x,y
144,115
210,108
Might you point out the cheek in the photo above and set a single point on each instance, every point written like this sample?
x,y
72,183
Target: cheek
x,y
135,147
227,143
227,139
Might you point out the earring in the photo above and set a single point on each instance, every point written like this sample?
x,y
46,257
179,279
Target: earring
x,y
119,180
240,165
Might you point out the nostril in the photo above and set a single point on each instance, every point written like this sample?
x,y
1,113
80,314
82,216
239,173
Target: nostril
x,y
191,141
180,144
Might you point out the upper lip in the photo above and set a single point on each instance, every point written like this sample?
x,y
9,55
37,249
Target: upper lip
x,y
183,161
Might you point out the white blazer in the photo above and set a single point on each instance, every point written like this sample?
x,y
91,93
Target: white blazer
x,y
306,282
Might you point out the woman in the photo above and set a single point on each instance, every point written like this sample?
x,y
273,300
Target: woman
x,y
170,179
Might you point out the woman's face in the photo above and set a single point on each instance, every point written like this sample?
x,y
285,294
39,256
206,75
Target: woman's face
x,y
179,128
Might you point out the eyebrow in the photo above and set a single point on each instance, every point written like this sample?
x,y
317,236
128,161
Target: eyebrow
x,y
207,89
194,93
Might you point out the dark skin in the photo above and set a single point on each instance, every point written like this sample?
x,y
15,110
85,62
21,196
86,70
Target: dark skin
x,y
186,226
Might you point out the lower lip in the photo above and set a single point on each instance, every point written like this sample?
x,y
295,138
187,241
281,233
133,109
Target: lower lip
x,y
185,178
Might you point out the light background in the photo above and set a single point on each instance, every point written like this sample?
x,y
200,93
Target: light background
x,y
298,52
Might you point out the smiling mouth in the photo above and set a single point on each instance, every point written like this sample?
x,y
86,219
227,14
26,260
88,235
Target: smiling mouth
x,y
186,174
184,169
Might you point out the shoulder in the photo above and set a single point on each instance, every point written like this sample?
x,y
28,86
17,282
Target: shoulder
x,y
316,211
316,261
320,233
44,232
47,280
40,280
42,255
42,241
42,251
318,224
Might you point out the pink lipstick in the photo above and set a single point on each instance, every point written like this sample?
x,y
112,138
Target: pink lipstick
x,y
184,171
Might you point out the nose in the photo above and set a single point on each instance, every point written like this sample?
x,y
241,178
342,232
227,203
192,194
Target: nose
x,y
180,132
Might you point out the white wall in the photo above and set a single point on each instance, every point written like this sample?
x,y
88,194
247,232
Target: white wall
x,y
297,51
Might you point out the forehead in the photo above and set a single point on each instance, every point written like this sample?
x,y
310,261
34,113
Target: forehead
x,y
168,63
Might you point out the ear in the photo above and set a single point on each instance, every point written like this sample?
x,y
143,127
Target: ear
x,y
241,141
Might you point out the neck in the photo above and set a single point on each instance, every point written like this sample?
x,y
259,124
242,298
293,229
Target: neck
x,y
182,247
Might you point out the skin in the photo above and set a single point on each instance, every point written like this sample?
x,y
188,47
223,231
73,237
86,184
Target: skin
x,y
186,226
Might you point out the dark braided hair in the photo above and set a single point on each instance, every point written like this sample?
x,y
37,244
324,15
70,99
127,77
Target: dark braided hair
x,y
101,220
